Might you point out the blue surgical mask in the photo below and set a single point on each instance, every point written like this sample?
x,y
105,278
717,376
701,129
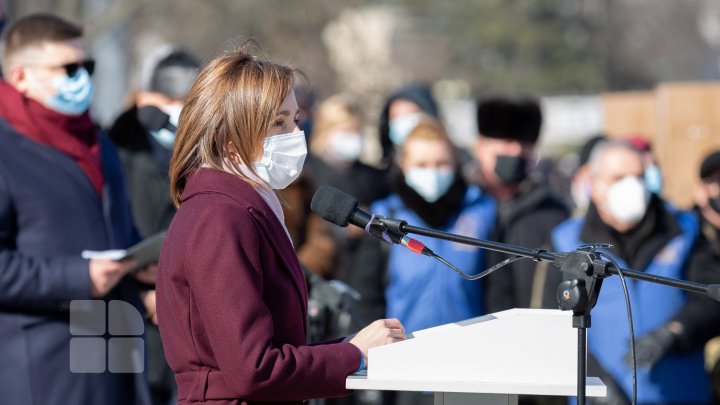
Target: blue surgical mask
x,y
430,183
73,93
653,179
165,136
400,127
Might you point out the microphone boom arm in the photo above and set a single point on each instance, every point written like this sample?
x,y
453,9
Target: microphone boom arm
x,y
558,259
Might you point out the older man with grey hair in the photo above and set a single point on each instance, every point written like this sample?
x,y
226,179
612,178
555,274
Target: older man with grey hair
x,y
649,235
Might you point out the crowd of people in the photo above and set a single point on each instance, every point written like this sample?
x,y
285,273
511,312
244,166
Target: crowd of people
x,y
226,156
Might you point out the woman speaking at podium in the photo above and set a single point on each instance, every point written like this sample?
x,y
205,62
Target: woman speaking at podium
x,y
231,297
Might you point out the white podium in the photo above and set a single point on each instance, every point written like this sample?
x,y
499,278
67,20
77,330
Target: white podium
x,y
490,359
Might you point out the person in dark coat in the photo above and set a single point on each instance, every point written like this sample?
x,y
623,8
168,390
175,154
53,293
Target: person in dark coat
x,y
509,128
232,300
706,261
144,135
61,192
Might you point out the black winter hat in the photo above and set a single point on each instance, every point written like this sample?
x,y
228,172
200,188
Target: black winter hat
x,y
710,165
513,118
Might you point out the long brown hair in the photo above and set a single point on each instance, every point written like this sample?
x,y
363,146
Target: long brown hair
x,y
227,114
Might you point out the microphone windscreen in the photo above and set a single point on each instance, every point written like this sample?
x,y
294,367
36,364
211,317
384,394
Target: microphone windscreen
x,y
152,118
333,205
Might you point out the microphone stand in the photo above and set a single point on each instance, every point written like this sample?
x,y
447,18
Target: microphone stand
x,y
583,271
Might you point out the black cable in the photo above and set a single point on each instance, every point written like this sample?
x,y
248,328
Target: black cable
x,y
630,323
483,273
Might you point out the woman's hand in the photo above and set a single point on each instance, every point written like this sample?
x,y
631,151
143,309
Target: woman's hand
x,y
378,333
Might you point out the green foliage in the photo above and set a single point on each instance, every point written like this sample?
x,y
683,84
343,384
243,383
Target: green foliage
x,y
541,46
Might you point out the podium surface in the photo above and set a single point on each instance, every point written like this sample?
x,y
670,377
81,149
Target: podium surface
x,y
493,359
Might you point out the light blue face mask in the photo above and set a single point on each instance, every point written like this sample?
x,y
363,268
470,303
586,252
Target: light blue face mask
x,y
400,127
164,136
653,179
73,93
430,183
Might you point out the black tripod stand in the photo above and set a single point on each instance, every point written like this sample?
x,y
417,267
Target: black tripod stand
x,y
583,271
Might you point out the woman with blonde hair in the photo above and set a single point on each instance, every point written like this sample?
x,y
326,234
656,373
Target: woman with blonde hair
x,y
428,191
232,301
336,147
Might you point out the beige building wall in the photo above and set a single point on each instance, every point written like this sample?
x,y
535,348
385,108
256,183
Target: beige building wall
x,y
682,120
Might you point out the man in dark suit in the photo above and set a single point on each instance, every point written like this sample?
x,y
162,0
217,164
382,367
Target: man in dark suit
x,y
61,192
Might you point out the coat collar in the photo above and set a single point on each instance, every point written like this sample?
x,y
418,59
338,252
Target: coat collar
x,y
206,180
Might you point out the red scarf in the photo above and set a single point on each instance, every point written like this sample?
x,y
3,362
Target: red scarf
x,y
76,136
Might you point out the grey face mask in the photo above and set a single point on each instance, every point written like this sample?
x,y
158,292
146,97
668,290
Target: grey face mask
x,y
511,169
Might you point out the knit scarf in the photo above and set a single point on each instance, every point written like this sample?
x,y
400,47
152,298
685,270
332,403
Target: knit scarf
x,y
73,135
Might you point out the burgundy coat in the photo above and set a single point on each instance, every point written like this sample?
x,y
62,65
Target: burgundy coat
x,y
232,303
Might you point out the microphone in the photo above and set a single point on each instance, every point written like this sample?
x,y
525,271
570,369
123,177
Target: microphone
x,y
338,207
154,119
341,209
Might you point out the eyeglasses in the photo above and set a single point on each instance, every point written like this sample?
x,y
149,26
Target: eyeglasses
x,y
72,68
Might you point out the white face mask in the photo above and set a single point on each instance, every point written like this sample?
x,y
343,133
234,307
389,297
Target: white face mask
x,y
346,146
400,127
283,158
627,200
430,183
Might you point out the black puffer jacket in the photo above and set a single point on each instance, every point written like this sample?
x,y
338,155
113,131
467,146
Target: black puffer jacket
x,y
526,220
145,164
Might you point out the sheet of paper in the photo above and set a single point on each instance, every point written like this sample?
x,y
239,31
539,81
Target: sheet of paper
x,y
114,254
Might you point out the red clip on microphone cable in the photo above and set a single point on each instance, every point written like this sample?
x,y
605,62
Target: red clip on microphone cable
x,y
416,246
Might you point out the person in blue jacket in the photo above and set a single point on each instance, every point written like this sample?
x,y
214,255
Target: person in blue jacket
x,y
651,236
61,192
429,191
